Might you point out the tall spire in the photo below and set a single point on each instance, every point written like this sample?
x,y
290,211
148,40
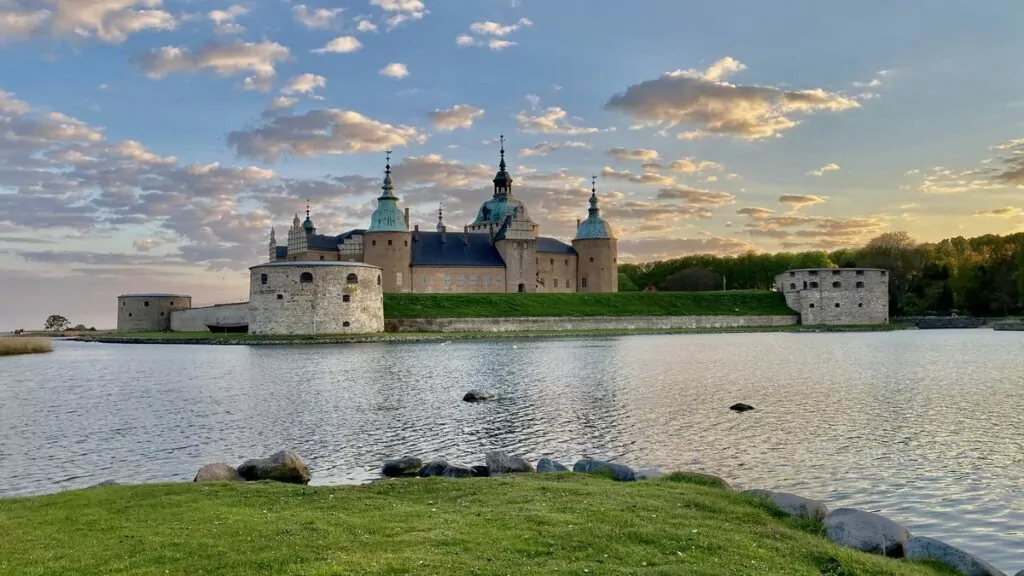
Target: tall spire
x,y
502,180
594,210
296,223
388,187
308,224
501,165
440,217
273,237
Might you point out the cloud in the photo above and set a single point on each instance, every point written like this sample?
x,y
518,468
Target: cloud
x,y
395,70
223,59
695,195
830,167
321,132
110,21
545,148
145,244
458,116
533,99
340,45
1006,212
687,166
317,18
401,11
755,212
800,200
305,84
493,34
641,154
17,23
225,19
649,178
366,26
704,101
553,120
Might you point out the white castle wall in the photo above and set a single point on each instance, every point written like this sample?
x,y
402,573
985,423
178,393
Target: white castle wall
x,y
837,296
148,312
197,319
340,298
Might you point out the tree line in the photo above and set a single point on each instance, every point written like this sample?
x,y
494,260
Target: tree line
x,y
982,276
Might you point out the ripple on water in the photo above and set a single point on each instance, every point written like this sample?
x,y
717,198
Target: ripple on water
x,y
917,425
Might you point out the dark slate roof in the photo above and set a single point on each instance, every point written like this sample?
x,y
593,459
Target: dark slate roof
x,y
350,233
282,251
428,250
553,245
321,242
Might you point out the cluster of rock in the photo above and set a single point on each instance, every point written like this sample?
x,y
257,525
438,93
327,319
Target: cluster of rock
x,y
498,462
283,466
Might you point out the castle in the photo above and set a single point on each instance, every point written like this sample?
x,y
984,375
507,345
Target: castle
x,y
500,251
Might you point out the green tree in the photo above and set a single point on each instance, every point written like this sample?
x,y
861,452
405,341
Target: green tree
x,y
626,283
56,322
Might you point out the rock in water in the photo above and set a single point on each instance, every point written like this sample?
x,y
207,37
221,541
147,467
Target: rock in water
x,y
741,407
549,465
796,506
922,548
617,472
457,471
404,466
433,468
284,466
866,532
476,395
481,471
218,472
498,462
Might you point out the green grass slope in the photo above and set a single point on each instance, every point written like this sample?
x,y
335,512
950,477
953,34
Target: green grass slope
x,y
538,524
728,303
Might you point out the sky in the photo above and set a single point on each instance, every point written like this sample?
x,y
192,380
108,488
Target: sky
x,y
150,145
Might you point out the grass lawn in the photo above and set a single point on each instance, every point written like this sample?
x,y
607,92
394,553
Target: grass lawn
x,y
729,303
532,523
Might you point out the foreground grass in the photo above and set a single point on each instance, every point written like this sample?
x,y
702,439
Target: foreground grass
x,y
728,303
22,345
527,524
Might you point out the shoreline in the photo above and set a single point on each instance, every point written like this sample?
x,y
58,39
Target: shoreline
x,y
199,338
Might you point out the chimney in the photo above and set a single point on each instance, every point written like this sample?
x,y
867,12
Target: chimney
x,y
416,232
577,223
444,234
465,235
407,218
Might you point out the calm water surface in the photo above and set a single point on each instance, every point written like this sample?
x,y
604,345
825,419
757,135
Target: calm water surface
x,y
921,426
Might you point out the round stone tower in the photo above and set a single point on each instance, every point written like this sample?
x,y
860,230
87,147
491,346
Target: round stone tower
x,y
149,312
386,243
597,268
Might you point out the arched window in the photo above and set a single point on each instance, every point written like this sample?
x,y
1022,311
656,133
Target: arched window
x,y
346,324
306,278
263,278
378,279
837,284
792,285
352,279
814,284
860,284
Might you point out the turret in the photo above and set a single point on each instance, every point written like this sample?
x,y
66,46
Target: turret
x,y
502,180
273,246
308,224
597,250
387,241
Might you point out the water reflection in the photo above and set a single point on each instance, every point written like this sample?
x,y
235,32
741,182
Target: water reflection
x,y
918,425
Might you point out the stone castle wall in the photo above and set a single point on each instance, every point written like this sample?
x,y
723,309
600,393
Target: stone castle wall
x,y
556,272
390,252
197,319
148,312
315,298
837,296
582,323
598,269
443,279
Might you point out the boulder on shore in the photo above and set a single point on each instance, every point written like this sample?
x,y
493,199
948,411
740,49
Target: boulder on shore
x,y
741,407
649,474
923,548
283,466
498,462
481,471
457,471
404,466
218,472
617,472
866,532
796,506
433,468
549,465
476,395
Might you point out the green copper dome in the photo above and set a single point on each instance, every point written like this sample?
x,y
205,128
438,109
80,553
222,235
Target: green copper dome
x,y
388,217
594,227
496,210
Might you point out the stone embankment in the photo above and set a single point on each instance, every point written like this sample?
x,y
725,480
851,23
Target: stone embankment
x,y
857,529
941,322
584,323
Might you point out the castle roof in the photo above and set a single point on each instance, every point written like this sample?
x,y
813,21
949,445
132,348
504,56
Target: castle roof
x,y
553,245
455,252
594,227
388,217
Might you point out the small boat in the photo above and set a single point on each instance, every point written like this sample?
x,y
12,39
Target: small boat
x,y
228,328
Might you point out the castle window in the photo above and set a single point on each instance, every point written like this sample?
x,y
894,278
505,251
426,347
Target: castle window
x,y
280,296
346,324
792,285
472,279
460,280
487,280
123,303
263,280
321,257
306,278
813,272
566,261
423,280
556,282
346,298
161,313
129,314
860,284
567,283
172,302
860,305
389,242
837,285
146,303
447,279
373,243
883,272
378,278
591,258
837,304
836,272
406,242
805,284
583,282
792,274
814,284
811,305
552,261
352,279
860,272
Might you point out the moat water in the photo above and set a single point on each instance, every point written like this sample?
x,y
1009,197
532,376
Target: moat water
x,y
922,426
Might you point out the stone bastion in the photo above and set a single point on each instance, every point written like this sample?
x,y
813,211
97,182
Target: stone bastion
x,y
315,298
149,312
837,296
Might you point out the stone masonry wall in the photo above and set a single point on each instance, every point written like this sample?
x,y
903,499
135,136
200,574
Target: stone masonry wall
x,y
341,298
148,312
581,323
197,319
390,252
837,296
598,265
552,267
433,280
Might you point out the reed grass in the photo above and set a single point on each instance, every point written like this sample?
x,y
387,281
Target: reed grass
x,y
21,345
